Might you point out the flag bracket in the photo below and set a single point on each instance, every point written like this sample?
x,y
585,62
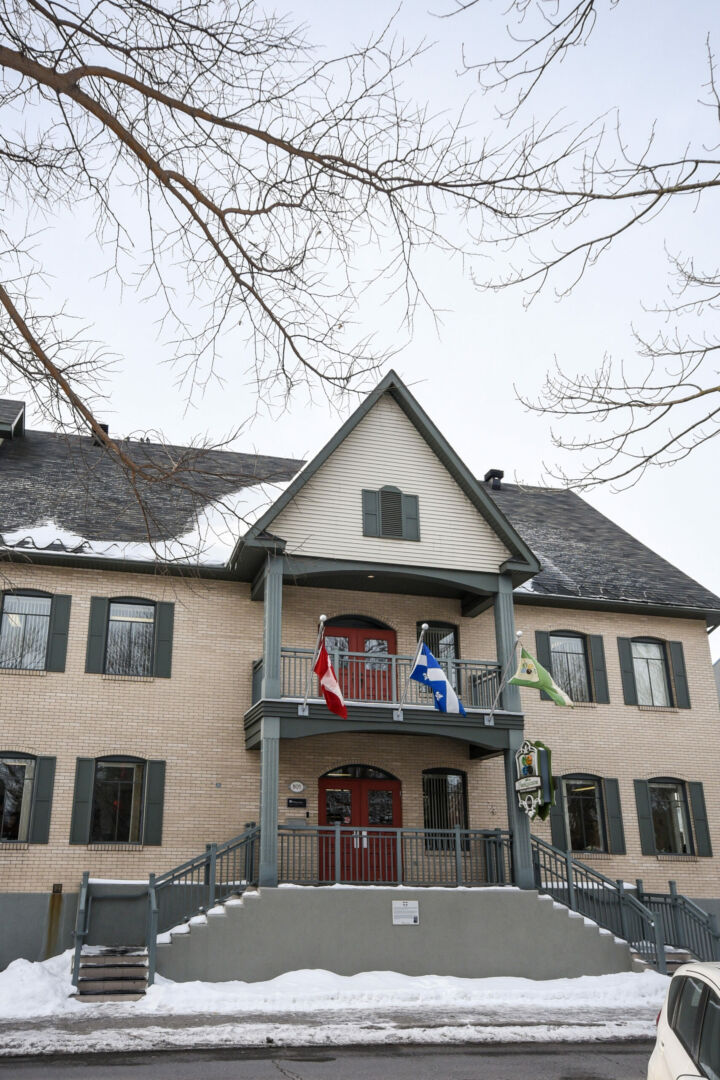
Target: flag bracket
x,y
303,710
398,716
489,720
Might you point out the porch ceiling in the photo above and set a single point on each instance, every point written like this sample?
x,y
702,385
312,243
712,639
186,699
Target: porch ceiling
x,y
363,718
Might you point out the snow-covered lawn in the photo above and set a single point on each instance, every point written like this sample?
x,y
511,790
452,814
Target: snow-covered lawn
x,y
318,1007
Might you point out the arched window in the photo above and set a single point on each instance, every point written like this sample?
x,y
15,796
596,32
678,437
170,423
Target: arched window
x,y
130,637
24,630
569,664
360,772
117,802
650,668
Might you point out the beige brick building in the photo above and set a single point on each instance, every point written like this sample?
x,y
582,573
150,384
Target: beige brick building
x,y
148,710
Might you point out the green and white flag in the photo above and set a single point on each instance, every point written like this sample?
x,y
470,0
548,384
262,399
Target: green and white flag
x,y
530,673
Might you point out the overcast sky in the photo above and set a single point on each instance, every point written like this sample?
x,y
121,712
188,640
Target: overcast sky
x,y
647,57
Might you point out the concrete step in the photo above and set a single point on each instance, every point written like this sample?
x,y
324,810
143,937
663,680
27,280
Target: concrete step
x,y
112,974
113,971
111,986
114,958
100,998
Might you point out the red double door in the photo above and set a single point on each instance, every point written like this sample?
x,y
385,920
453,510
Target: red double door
x,y
367,853
366,675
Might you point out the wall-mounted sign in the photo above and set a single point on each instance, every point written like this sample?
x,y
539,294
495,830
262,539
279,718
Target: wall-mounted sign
x,y
297,786
406,912
297,803
534,784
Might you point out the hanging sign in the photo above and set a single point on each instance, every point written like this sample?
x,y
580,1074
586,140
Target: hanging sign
x,y
534,783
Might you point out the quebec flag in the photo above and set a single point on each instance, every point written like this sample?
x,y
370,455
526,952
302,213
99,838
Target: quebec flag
x,y
428,672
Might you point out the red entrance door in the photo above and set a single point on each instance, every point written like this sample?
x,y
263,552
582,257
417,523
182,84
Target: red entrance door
x,y
366,675
367,853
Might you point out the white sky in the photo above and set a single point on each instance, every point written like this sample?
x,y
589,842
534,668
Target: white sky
x,y
648,57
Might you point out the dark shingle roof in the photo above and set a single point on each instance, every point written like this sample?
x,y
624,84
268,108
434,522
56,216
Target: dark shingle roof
x,y
65,479
586,555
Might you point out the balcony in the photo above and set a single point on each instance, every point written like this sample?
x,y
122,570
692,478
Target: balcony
x,y
381,679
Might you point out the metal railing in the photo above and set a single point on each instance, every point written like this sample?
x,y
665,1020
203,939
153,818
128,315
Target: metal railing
x,y
606,902
373,855
685,925
382,677
82,919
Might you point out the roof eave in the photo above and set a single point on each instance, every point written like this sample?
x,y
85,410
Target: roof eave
x,y
594,603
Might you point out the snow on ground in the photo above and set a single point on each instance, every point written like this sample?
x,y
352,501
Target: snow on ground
x,y
313,1007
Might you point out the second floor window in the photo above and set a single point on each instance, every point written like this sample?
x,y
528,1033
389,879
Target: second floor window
x,y
24,631
117,802
569,665
130,638
650,668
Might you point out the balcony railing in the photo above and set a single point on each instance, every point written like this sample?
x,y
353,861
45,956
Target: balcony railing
x,y
382,678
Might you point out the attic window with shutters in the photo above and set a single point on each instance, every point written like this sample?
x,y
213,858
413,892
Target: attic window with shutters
x,y
390,513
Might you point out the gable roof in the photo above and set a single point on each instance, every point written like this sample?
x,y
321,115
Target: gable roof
x,y
82,490
586,556
523,559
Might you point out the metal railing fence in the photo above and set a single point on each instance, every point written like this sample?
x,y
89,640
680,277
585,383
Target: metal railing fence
x,y
606,902
685,925
373,855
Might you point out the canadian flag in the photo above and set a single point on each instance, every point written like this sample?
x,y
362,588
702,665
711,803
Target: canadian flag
x,y
329,684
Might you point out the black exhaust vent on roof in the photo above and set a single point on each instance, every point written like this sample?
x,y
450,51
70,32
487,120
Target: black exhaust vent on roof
x,y
494,475
98,442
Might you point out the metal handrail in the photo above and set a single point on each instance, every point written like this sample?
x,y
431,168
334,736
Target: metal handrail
x,y
608,903
685,924
81,925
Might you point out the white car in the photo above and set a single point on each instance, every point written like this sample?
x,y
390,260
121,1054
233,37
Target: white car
x,y
688,1033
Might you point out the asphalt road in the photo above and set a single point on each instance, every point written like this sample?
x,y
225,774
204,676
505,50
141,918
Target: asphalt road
x,y
593,1061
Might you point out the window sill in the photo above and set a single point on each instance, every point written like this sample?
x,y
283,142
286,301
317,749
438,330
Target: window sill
x,y
22,671
658,708
676,858
119,846
599,856
585,704
129,678
14,845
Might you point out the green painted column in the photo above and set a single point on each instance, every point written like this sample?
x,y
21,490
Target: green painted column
x,y
518,821
505,638
269,765
272,628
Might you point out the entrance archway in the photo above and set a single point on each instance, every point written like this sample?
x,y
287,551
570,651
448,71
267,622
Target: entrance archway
x,y
359,647
358,804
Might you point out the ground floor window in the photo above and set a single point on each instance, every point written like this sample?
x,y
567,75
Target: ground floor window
x,y
117,802
670,819
444,802
16,782
584,817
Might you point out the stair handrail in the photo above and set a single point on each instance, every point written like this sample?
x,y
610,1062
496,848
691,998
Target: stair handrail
x,y
650,943
698,932
81,925
152,930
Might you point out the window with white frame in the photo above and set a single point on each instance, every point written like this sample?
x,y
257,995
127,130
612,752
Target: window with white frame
x,y
670,818
24,629
584,814
130,638
568,654
16,784
651,673
117,802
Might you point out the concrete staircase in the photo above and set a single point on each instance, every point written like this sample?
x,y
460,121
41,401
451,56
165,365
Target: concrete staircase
x,y
112,974
464,932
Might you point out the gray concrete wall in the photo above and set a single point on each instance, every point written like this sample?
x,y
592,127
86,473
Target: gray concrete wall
x,y
463,932
118,914
35,926
712,906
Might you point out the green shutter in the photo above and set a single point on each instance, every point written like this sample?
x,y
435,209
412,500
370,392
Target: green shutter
x,y
677,663
58,633
410,517
627,672
558,833
97,634
82,801
42,800
599,671
164,620
154,799
543,657
644,814
613,812
702,833
371,513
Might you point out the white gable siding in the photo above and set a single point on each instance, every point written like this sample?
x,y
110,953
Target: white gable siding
x,y
325,518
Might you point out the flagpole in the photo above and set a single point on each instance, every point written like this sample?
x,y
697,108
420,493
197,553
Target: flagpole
x,y
398,713
303,709
490,718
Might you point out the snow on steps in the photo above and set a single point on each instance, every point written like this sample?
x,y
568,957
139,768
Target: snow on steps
x,y
112,974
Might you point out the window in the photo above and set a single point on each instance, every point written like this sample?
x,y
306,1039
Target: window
x,y
16,784
390,513
444,804
650,668
687,1014
130,639
584,817
24,631
117,802
669,810
569,665
130,636
709,1048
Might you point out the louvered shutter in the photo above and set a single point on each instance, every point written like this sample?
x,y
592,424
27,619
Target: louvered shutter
x,y
410,517
391,512
613,811
599,670
543,656
371,513
644,814
627,671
